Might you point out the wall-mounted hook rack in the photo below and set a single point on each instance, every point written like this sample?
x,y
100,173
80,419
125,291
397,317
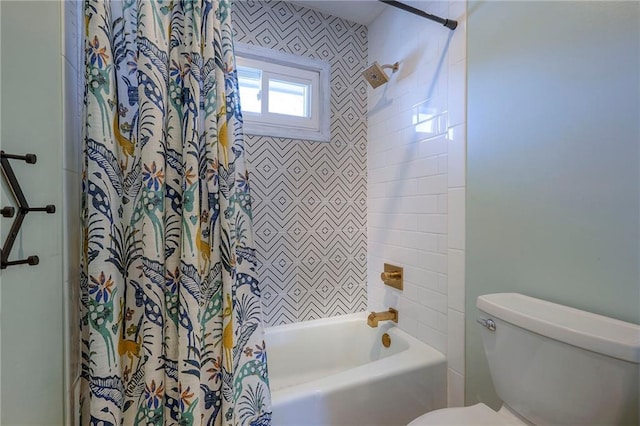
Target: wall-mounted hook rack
x,y
22,209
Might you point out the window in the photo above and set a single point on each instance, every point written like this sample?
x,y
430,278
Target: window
x,y
283,95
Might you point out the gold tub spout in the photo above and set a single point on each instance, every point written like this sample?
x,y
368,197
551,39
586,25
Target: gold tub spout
x,y
375,317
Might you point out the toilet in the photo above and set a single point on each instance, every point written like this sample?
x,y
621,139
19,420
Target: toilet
x,y
552,364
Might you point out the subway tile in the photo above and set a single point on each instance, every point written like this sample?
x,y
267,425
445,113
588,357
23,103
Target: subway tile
x,y
443,282
375,297
416,275
457,156
443,164
375,128
72,29
377,160
435,223
458,44
428,317
432,337
456,222
457,93
391,296
433,146
443,203
412,240
71,226
401,151
455,388
443,244
433,77
411,292
407,308
456,277
456,336
72,156
457,9
442,322
394,254
401,119
384,174
420,168
432,184
418,204
434,300
426,279
397,221
408,323
428,121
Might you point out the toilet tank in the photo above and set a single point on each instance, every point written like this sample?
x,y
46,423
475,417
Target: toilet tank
x,y
553,364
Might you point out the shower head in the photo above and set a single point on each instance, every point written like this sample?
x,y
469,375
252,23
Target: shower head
x,y
375,74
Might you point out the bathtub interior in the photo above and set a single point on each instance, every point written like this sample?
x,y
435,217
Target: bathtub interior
x,y
300,353
336,372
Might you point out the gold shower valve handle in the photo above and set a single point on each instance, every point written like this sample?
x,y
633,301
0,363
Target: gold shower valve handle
x,y
392,276
388,276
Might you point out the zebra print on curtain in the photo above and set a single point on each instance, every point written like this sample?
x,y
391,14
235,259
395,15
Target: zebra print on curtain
x,y
171,322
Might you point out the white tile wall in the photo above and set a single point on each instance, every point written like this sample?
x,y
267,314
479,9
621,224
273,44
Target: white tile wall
x,y
457,137
416,169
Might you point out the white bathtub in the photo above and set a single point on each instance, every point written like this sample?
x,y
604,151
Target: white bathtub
x,y
337,372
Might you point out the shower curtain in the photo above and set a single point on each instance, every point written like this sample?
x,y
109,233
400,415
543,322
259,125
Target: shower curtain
x,y
171,321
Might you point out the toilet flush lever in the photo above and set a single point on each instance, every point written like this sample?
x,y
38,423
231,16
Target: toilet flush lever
x,y
487,323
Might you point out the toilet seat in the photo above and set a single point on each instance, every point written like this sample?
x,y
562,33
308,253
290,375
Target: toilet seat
x,y
478,414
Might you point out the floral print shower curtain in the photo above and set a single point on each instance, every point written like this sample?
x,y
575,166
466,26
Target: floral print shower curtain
x,y
171,321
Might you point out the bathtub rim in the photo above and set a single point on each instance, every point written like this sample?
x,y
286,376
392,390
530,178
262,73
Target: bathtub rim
x,y
317,322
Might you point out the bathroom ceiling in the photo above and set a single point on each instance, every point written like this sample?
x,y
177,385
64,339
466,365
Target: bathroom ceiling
x,y
360,11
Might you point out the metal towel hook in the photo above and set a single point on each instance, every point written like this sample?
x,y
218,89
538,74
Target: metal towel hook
x,y
23,209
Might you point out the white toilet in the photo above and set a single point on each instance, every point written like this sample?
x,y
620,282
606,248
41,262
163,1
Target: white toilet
x,y
551,364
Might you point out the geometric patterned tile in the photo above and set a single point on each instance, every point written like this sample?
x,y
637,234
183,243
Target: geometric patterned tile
x,y
357,296
279,309
309,198
313,306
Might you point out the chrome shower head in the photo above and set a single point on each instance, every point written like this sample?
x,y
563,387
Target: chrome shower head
x,y
375,74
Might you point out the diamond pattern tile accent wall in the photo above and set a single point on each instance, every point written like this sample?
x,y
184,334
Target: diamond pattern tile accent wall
x,y
310,198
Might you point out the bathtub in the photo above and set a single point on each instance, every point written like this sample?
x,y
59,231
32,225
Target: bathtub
x,y
336,372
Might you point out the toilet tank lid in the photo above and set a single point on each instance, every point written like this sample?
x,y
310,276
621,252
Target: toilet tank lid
x,y
579,328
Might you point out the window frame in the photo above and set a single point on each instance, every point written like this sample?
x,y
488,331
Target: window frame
x,y
296,69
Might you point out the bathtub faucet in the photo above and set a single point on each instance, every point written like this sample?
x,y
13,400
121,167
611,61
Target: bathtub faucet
x,y
375,317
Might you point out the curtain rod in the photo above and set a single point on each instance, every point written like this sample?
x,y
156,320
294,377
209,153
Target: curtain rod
x,y
449,23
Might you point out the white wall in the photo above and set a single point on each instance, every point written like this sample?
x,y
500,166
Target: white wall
x,y
32,336
554,176
416,177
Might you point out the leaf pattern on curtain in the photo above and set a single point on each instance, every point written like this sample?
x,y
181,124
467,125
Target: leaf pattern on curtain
x,y
171,320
